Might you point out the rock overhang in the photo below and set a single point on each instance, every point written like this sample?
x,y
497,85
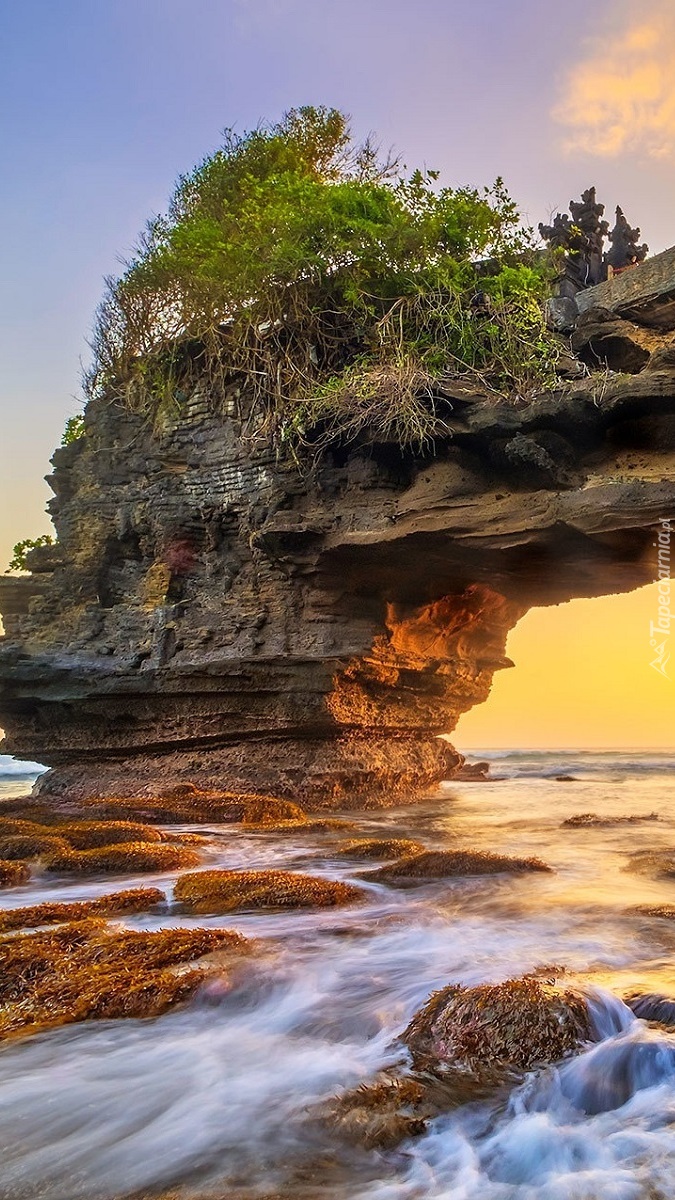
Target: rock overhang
x,y
211,614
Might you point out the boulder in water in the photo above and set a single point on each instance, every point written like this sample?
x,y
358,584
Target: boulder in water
x,y
650,1006
226,891
477,772
379,848
493,1032
54,912
660,863
87,971
583,820
443,864
381,1114
122,859
13,873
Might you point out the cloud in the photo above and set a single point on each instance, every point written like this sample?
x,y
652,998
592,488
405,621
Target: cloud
x,y
620,98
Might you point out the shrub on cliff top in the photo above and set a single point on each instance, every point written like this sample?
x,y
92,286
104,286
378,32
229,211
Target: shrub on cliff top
x,y
19,559
337,293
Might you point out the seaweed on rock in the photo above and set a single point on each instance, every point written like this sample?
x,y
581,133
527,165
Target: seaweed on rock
x,y
123,859
184,804
87,971
493,1031
225,891
114,904
27,846
13,873
442,864
380,848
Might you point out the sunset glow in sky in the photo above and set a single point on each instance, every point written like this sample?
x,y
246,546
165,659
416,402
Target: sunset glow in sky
x,y
582,678
105,103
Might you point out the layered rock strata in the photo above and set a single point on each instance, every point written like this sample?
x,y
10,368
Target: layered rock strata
x,y
210,614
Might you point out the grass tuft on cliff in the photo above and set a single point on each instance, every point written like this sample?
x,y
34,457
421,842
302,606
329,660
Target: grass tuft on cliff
x,y
309,274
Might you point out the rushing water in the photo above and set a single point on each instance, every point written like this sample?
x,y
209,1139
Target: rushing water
x,y
219,1095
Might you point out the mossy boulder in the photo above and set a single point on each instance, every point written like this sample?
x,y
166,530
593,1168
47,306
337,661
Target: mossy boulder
x,y
89,835
444,864
115,904
88,971
262,811
13,873
123,859
9,826
379,848
492,1033
226,891
381,1114
27,846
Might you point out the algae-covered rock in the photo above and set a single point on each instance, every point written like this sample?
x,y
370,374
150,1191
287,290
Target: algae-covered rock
x,y
262,811
443,864
379,848
180,805
379,1115
494,1031
88,835
13,873
26,846
225,891
589,819
87,971
115,904
123,859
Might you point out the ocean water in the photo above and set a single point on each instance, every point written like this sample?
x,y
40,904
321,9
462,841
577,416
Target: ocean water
x,y
17,778
220,1096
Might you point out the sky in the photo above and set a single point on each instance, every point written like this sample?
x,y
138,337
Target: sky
x,y
582,677
104,102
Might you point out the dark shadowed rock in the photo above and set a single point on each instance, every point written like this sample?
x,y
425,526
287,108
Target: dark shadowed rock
x,y
652,1007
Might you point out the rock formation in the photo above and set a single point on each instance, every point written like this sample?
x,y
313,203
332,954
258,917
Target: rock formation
x,y
211,615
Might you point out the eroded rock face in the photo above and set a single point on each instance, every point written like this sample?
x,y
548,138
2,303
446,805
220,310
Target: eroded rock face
x,y
213,616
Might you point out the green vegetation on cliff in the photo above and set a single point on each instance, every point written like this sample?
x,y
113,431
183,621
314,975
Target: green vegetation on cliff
x,y
310,274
